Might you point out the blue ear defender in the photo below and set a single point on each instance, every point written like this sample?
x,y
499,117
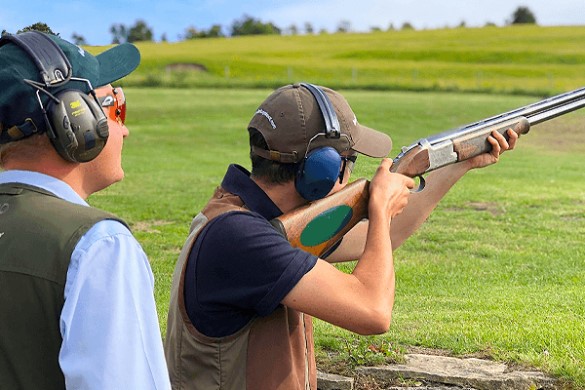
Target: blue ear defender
x,y
318,173
320,168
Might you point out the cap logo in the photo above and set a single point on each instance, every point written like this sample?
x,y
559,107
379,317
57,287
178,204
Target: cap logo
x,y
267,116
81,51
354,120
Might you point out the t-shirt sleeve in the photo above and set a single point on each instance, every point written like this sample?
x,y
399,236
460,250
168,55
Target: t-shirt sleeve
x,y
243,262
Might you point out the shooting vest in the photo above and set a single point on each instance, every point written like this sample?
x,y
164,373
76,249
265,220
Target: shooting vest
x,y
273,352
38,233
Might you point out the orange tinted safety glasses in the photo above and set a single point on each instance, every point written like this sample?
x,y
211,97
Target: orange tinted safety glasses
x,y
114,100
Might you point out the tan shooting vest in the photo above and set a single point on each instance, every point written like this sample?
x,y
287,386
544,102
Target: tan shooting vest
x,y
273,352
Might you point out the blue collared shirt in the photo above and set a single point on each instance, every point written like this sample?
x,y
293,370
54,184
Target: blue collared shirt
x,y
110,330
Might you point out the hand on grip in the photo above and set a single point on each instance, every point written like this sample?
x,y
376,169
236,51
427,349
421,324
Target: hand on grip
x,y
389,191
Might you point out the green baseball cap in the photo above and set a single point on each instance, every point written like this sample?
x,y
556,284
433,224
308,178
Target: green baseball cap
x,y
19,106
290,120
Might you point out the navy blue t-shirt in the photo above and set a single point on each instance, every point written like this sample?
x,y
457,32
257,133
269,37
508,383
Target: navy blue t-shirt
x,y
240,267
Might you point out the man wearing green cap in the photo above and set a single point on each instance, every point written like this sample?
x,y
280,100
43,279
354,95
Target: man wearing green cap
x,y
76,288
242,297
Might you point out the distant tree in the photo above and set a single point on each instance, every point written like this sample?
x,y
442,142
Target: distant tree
x,y
250,26
462,24
309,28
140,32
293,29
391,27
523,15
213,32
343,26
191,33
4,32
39,26
119,32
407,26
490,24
375,29
79,40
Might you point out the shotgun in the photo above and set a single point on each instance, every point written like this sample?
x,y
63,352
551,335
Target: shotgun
x,y
318,226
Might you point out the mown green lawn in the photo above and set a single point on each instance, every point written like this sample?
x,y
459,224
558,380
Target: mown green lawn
x,y
496,271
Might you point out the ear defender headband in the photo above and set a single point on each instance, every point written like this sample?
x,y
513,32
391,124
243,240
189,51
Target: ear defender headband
x,y
76,124
321,167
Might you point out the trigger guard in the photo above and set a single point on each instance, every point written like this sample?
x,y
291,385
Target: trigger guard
x,y
421,185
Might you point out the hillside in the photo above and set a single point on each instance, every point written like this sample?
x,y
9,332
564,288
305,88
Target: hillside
x,y
514,59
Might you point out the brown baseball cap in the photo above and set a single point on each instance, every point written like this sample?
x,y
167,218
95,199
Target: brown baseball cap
x,y
290,120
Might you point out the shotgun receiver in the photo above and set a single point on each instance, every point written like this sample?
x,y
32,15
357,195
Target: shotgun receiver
x,y
320,225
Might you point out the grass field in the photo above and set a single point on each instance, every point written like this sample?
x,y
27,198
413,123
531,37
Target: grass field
x,y
513,59
497,271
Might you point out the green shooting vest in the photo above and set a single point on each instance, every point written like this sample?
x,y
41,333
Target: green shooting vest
x,y
38,233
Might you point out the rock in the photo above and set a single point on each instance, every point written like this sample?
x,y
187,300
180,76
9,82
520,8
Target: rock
x,y
468,373
333,382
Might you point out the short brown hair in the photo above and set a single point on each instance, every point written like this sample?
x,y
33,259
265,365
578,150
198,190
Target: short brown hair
x,y
25,149
271,171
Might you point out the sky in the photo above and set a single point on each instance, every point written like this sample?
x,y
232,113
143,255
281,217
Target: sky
x,y
92,19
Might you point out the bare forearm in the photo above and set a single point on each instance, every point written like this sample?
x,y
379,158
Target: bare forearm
x,y
377,256
421,204
362,301
375,272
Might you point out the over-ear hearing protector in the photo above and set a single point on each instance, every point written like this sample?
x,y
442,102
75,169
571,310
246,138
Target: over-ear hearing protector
x,y
320,168
76,124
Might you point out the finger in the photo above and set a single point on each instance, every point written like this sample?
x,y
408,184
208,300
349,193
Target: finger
x,y
501,140
409,182
496,148
386,163
512,138
403,203
404,180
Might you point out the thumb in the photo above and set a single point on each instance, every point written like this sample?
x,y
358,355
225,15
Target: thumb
x,y
386,163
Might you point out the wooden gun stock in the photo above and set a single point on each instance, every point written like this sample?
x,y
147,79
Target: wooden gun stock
x,y
319,226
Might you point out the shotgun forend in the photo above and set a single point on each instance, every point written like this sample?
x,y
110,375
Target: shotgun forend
x,y
463,143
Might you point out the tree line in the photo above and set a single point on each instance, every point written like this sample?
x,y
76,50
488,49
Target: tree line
x,y
247,25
